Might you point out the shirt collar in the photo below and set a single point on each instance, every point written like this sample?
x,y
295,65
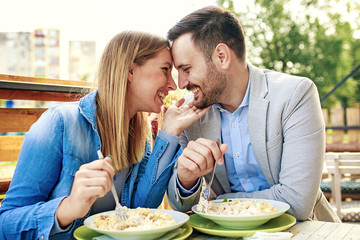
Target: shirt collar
x,y
87,106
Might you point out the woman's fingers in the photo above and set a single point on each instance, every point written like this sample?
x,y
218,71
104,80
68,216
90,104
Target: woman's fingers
x,y
179,102
101,164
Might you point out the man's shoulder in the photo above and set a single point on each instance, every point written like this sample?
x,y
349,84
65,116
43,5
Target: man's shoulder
x,y
274,77
286,84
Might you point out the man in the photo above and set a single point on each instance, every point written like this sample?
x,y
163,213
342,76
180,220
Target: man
x,y
270,123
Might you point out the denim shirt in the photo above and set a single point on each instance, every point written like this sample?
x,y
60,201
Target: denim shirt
x,y
64,138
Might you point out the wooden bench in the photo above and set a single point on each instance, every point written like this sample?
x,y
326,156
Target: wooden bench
x,y
338,165
20,119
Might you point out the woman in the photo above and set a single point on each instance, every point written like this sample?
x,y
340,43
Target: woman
x,y
59,180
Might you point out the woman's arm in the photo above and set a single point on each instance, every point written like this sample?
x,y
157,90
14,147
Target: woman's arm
x,y
27,212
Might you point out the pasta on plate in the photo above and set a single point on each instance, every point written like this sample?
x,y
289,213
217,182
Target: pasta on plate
x,y
138,219
236,207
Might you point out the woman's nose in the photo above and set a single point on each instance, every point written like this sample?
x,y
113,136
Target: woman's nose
x,y
171,83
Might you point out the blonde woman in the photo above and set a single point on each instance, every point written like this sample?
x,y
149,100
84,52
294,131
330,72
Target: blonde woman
x,y
59,180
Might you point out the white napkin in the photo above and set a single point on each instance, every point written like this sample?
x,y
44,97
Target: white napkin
x,y
188,97
270,236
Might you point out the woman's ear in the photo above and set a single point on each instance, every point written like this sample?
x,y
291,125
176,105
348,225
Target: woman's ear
x,y
222,56
131,72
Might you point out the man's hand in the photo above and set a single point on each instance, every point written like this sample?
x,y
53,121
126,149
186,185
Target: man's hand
x,y
198,159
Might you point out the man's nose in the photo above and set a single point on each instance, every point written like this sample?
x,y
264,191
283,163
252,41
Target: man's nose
x,y
182,81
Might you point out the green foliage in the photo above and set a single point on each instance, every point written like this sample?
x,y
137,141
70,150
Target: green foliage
x,y
311,39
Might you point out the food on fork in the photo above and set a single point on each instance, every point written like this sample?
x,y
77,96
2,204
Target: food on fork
x,y
236,207
138,219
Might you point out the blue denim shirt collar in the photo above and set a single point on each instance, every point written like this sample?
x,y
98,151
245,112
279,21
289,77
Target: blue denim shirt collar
x,y
87,106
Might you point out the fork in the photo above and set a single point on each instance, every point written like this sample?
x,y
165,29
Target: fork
x,y
120,211
206,192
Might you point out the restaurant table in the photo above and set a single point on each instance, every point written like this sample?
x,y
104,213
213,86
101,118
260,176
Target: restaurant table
x,y
311,230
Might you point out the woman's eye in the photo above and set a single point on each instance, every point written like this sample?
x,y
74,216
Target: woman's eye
x,y
165,69
186,69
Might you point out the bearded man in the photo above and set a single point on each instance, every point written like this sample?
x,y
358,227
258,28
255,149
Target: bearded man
x,y
270,123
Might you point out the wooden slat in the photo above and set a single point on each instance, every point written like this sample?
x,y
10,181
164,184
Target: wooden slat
x,y
343,147
8,77
37,95
4,185
18,119
343,156
353,119
337,120
10,147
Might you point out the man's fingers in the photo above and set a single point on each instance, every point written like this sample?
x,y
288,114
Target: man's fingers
x,y
223,149
194,158
216,152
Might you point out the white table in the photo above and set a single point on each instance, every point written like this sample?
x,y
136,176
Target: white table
x,y
310,230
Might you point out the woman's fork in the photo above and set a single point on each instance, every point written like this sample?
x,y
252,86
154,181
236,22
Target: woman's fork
x,y
120,211
206,192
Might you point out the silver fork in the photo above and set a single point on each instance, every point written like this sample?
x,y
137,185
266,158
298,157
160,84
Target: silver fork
x,y
206,192
120,211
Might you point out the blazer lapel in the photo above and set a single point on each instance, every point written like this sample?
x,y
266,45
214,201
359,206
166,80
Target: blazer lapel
x,y
257,114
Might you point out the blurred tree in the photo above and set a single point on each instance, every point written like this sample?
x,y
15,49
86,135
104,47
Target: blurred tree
x,y
307,38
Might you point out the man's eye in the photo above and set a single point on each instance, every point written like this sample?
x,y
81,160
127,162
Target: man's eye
x,y
165,69
186,69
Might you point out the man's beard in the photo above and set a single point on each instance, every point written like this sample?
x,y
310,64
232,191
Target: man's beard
x,y
212,87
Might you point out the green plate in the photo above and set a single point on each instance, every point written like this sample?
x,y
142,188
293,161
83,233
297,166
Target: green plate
x,y
85,233
207,226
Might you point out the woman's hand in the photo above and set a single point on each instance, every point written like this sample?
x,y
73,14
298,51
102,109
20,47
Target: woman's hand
x,y
179,118
92,180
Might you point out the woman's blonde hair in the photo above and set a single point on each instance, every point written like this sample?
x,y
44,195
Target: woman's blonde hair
x,y
120,136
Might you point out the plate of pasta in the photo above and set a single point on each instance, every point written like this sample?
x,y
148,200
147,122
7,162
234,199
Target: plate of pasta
x,y
240,213
142,223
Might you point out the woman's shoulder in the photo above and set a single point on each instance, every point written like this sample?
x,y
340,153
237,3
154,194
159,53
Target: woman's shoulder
x,y
64,112
65,109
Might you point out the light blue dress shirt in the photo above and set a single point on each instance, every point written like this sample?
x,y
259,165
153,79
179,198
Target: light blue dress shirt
x,y
242,168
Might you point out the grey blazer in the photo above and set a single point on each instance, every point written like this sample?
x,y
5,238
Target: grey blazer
x,y
287,134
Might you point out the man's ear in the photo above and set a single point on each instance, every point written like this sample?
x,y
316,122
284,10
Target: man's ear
x,y
131,72
222,56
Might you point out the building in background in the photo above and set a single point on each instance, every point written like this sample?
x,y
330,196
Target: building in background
x,y
82,60
46,53
15,53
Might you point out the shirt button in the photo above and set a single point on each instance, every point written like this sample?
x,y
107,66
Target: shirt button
x,y
221,110
42,236
244,180
234,124
238,154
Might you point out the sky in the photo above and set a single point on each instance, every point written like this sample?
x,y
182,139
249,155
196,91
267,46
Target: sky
x,y
100,20
94,20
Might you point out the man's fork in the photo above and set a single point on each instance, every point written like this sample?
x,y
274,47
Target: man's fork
x,y
120,211
206,192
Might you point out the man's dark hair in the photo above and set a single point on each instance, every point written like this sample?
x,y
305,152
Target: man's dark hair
x,y
210,26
